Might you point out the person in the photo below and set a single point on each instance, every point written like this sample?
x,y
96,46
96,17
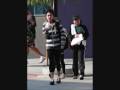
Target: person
x,y
77,29
53,32
31,24
64,46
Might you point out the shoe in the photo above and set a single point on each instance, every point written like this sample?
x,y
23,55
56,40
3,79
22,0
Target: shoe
x,y
52,82
42,59
75,77
63,76
58,80
81,77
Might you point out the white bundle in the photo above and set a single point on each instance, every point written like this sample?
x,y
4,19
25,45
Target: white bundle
x,y
77,40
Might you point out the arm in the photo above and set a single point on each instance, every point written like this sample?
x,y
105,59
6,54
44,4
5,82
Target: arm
x,y
45,28
63,37
72,31
86,33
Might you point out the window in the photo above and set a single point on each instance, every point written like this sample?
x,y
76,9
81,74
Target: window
x,y
40,9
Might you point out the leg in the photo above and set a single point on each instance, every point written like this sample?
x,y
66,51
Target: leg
x,y
36,50
27,50
62,64
52,60
81,62
62,61
51,65
75,61
57,59
46,55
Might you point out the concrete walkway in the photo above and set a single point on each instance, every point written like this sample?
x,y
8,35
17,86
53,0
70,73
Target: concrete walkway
x,y
38,79
34,67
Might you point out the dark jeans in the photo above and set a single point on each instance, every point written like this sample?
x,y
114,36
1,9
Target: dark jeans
x,y
54,60
62,61
78,56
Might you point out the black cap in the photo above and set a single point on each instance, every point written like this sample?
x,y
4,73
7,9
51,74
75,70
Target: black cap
x,y
76,17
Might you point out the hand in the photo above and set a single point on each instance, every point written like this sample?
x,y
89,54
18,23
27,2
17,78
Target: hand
x,y
48,26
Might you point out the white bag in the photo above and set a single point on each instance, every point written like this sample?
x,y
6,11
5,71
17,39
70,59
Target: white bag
x,y
77,40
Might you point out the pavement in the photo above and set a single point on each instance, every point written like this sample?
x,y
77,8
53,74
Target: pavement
x,y
37,77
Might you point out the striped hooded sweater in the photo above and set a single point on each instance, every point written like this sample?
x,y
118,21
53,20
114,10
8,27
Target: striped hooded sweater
x,y
55,35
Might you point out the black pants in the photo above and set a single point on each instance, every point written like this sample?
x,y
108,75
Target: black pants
x,y
54,60
78,56
62,61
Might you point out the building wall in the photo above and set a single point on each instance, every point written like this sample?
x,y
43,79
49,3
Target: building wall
x,y
83,8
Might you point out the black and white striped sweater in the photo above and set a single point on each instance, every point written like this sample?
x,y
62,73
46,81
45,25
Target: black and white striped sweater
x,y
55,35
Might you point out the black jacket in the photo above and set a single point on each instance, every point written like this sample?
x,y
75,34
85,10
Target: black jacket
x,y
85,34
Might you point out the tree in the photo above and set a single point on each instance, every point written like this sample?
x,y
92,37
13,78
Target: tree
x,y
36,2
43,5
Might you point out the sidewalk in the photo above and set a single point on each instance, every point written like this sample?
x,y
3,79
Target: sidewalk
x,y
35,68
38,79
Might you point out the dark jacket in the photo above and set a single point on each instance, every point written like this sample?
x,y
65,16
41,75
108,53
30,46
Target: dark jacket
x,y
31,24
85,34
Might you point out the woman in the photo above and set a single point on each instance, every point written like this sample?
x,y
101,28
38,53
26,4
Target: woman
x,y
31,24
53,31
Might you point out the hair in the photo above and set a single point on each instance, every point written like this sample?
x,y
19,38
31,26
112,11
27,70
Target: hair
x,y
50,11
76,17
29,12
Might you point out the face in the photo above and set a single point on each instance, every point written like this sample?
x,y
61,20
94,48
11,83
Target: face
x,y
76,22
28,12
49,17
29,15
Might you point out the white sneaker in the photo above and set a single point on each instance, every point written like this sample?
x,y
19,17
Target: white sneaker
x,y
42,59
